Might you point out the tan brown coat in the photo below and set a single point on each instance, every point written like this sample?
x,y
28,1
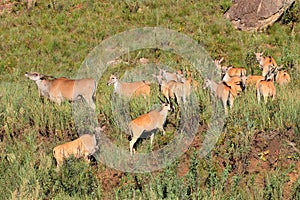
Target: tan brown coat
x,y
265,63
283,78
83,146
130,89
60,89
146,123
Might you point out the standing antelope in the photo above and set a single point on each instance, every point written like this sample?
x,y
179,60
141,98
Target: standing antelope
x,y
266,88
222,91
60,89
129,89
147,123
168,76
265,63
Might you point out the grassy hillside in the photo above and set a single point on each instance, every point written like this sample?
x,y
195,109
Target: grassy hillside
x,y
256,156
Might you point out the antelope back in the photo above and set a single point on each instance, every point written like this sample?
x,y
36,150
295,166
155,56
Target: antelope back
x,y
263,61
234,71
129,88
168,76
89,142
266,88
254,78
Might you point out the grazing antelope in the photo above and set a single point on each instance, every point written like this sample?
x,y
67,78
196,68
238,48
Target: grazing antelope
x,y
266,88
147,123
128,89
168,76
223,91
265,63
60,89
84,146
282,78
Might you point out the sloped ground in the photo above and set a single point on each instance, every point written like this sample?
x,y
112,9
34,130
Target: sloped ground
x,y
254,158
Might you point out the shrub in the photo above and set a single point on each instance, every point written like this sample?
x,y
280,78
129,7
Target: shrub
x,y
74,179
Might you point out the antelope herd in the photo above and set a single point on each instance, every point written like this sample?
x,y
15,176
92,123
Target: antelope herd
x,y
176,86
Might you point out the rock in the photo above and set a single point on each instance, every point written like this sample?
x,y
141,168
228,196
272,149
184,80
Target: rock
x,y
6,6
30,3
255,15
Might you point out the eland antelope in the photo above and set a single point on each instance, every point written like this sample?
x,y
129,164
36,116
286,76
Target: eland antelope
x,y
147,123
60,89
129,89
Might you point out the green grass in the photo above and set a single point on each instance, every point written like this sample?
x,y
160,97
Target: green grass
x,y
56,40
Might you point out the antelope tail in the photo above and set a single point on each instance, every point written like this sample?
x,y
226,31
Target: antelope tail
x,y
130,136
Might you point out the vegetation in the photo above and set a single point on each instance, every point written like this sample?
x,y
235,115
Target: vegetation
x,y
256,156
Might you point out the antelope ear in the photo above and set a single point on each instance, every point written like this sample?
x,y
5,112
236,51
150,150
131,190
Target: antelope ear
x,y
225,68
43,77
227,84
99,129
280,67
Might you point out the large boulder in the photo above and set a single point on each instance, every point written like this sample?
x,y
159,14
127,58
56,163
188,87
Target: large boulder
x,y
256,14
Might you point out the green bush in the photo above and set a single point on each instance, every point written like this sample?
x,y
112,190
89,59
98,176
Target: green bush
x,y
292,14
54,37
74,178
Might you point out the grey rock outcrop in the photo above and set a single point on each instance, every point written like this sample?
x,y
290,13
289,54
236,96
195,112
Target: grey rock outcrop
x,y
255,15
